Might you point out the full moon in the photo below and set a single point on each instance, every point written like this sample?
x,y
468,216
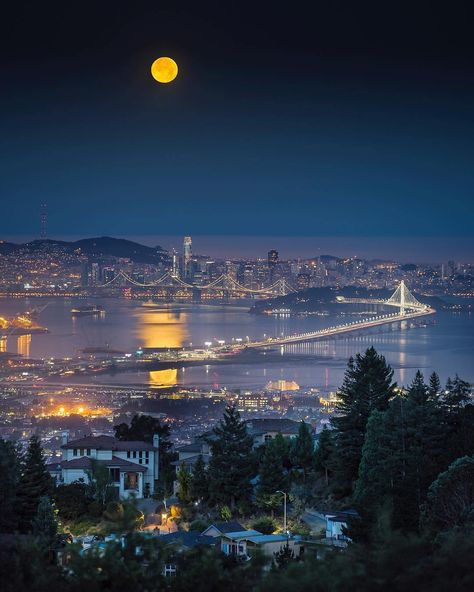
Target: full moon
x,y
164,70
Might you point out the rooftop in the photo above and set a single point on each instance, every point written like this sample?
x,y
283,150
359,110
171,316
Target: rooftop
x,y
107,443
84,462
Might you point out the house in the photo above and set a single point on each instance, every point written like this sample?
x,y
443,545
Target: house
x,y
186,540
218,529
243,544
133,466
336,523
261,430
264,430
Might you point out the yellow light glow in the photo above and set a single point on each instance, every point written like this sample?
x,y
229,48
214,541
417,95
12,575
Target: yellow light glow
x,y
164,70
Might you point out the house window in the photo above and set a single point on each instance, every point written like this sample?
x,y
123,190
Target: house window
x,y
140,455
147,457
74,452
170,569
128,453
134,454
115,475
268,437
131,481
88,452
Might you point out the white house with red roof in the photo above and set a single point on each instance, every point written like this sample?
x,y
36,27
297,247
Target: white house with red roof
x,y
133,466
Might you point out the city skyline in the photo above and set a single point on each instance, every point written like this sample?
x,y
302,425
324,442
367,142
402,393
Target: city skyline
x,y
404,250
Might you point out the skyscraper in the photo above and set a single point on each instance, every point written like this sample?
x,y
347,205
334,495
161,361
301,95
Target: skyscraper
x,y
187,255
272,258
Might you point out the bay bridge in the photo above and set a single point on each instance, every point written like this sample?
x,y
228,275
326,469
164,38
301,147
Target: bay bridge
x,y
408,308
225,285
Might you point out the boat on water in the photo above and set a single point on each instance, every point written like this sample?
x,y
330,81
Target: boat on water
x,y
93,309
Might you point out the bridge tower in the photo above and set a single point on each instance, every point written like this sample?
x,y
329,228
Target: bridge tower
x,y
402,297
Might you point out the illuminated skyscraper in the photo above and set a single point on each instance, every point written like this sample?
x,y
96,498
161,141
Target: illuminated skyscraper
x,y
272,258
187,255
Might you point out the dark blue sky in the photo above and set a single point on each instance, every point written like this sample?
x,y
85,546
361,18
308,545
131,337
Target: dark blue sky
x,y
342,121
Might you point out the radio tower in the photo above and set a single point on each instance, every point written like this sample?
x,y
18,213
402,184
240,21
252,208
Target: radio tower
x,y
44,220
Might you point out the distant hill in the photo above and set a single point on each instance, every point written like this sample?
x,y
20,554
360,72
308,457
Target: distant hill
x,y
95,248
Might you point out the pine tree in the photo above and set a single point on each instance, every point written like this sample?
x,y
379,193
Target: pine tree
x,y
367,386
35,483
458,408
9,483
302,450
200,481
434,389
272,477
324,453
45,523
230,469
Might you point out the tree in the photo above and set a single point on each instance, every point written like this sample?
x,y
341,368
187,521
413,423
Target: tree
x,y
99,481
367,386
200,481
450,499
9,484
142,428
458,410
72,500
184,485
45,523
272,477
324,453
35,483
375,478
229,468
434,389
284,556
302,450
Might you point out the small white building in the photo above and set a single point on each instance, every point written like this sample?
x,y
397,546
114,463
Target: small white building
x,y
336,525
243,544
133,466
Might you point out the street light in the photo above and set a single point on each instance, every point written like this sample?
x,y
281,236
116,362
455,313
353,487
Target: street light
x,y
284,510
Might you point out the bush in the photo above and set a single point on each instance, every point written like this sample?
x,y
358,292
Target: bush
x,y
113,511
264,525
199,525
72,500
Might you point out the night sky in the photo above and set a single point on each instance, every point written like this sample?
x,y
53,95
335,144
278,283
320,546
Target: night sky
x,y
347,119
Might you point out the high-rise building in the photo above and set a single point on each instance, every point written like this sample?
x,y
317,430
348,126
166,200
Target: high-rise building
x,y
187,255
272,258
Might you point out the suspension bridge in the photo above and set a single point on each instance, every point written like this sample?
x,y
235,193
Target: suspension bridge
x,y
225,284
408,308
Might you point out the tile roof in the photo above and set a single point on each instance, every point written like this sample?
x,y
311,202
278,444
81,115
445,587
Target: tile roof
x,y
225,527
84,462
107,443
192,538
259,426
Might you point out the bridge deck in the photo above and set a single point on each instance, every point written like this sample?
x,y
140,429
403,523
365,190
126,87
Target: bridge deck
x,y
342,329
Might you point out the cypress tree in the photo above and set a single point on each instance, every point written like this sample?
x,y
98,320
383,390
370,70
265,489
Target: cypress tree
x,y
45,524
323,454
200,481
230,468
367,386
272,477
9,482
35,483
302,450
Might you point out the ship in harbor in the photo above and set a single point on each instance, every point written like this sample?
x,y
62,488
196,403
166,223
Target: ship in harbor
x,y
94,310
